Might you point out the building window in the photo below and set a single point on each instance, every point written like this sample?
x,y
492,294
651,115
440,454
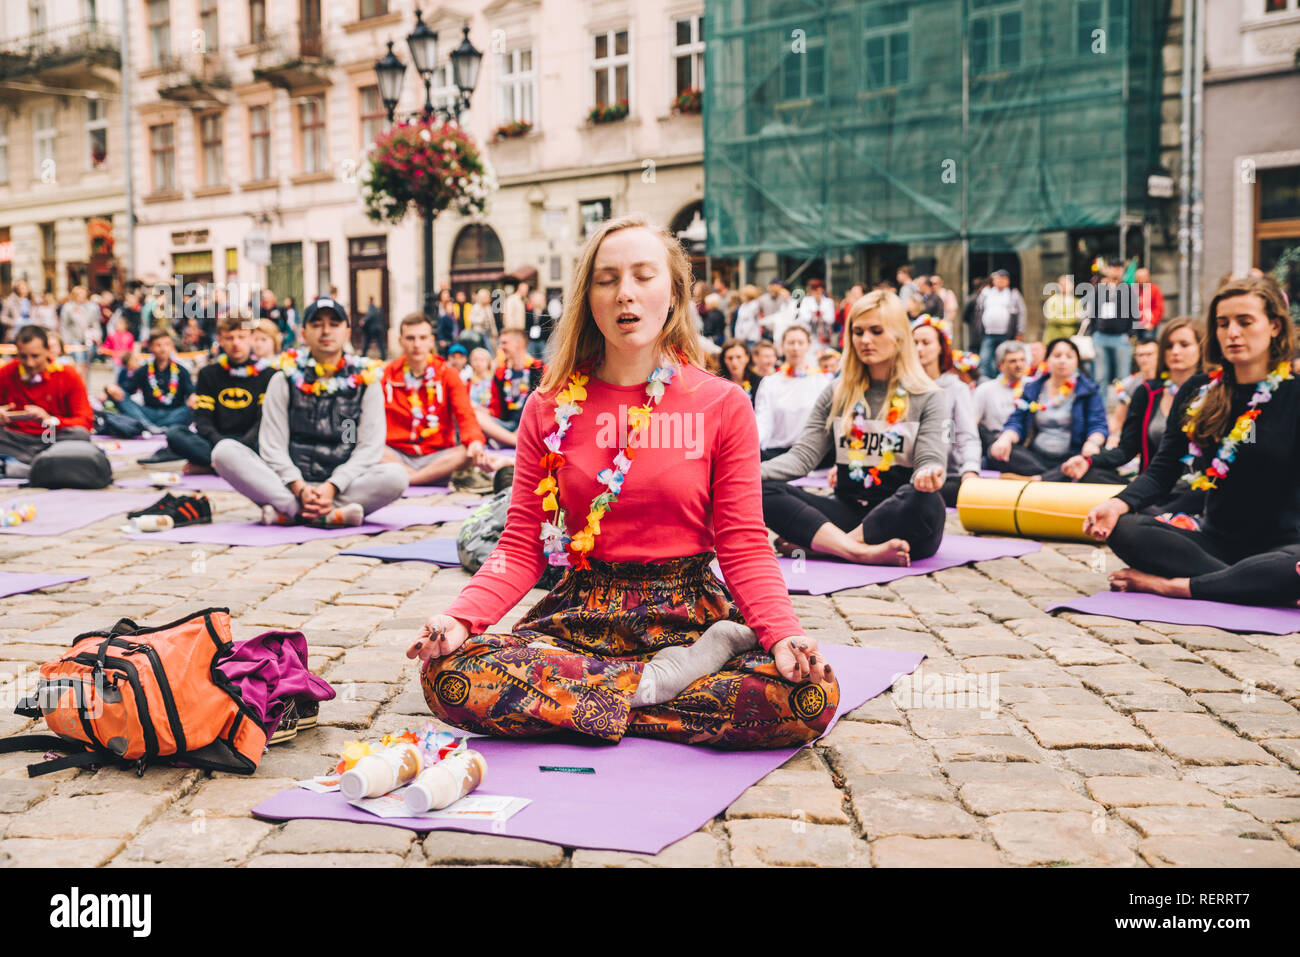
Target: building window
x,y
4,149
443,89
593,213
1277,229
803,74
43,138
208,24
36,15
887,46
97,133
162,146
160,42
373,8
322,269
90,14
1108,16
518,87
1274,6
995,33
256,21
610,66
214,159
311,123
373,116
688,53
259,136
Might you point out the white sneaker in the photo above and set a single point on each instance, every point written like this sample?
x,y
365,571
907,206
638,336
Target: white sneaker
x,y
351,514
271,517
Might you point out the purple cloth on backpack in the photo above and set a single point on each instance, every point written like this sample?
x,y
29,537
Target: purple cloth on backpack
x,y
271,669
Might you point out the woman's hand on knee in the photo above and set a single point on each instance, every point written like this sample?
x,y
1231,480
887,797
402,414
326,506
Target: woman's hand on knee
x,y
798,659
440,636
1101,520
928,479
1076,467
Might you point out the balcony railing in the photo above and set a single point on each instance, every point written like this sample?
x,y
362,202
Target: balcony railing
x,y
64,45
291,58
192,77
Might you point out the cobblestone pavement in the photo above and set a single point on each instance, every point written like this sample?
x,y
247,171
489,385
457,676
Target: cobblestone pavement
x,y
1113,743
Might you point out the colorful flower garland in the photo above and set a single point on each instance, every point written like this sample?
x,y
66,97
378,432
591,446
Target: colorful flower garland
x,y
245,371
351,373
555,538
54,365
515,397
172,386
1016,389
801,373
1066,388
890,443
1222,461
423,411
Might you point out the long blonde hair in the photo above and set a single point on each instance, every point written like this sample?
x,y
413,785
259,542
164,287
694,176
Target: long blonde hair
x,y
578,338
855,376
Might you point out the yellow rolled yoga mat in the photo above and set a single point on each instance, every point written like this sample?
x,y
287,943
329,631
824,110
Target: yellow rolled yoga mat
x,y
1030,509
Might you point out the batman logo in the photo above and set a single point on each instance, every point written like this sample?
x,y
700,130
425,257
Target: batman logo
x,y
235,398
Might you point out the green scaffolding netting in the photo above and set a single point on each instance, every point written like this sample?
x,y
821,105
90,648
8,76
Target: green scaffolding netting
x,y
831,124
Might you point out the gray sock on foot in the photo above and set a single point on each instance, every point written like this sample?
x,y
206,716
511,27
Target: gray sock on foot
x,y
671,671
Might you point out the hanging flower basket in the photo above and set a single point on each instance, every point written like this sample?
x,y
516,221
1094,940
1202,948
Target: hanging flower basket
x,y
688,101
508,131
430,163
607,113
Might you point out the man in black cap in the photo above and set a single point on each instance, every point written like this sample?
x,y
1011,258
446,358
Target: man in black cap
x,y
321,441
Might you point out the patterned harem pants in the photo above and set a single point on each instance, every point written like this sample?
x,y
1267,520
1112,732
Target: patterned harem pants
x,y
574,662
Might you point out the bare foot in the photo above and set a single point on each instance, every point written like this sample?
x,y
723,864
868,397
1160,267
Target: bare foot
x,y
495,462
1132,580
190,468
896,551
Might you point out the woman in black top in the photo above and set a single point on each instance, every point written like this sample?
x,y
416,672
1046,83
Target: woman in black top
x,y
738,366
1246,548
1178,358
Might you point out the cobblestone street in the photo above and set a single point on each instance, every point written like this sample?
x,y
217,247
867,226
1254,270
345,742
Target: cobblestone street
x,y
1114,744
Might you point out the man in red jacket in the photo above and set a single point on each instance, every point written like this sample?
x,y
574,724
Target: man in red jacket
x,y
426,402
41,402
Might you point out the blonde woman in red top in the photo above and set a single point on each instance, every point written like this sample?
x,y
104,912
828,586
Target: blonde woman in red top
x,y
635,466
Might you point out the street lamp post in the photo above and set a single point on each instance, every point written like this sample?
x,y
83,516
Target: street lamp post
x,y
465,62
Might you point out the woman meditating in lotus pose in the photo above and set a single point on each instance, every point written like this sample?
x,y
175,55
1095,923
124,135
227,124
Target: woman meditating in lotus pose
x,y
1239,432
886,422
635,465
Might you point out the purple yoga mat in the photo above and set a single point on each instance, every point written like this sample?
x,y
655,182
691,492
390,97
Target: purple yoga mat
x,y
644,795
810,576
386,519
12,481
125,447
416,491
65,509
189,483
818,479
1135,606
15,583
439,551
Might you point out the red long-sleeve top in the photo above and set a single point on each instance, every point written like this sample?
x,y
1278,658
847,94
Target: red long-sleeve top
x,y
693,487
60,392
450,397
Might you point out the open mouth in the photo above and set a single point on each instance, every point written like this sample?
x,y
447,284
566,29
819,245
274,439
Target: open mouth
x,y
628,319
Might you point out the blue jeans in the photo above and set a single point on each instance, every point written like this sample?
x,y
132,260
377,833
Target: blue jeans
x,y
1114,356
155,420
988,353
189,445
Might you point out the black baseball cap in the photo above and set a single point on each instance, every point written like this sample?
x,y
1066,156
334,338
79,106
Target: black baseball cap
x,y
325,302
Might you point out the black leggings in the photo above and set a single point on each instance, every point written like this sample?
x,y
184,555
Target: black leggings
x,y
914,516
1218,570
1096,475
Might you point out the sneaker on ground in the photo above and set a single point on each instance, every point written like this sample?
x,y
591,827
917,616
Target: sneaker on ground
x,y
287,730
351,514
164,454
308,713
504,477
157,508
189,510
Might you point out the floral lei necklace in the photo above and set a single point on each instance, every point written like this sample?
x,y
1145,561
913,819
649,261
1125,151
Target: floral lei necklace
x,y
54,365
555,539
171,387
1061,394
788,370
890,443
515,396
1016,389
1223,459
246,370
350,373
423,411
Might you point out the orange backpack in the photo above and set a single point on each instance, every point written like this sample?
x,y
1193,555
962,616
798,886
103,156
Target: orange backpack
x,y
133,695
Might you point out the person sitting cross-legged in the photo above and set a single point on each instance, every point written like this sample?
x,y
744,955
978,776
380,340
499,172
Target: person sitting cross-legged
x,y
422,394
41,400
321,440
513,382
165,387
228,403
